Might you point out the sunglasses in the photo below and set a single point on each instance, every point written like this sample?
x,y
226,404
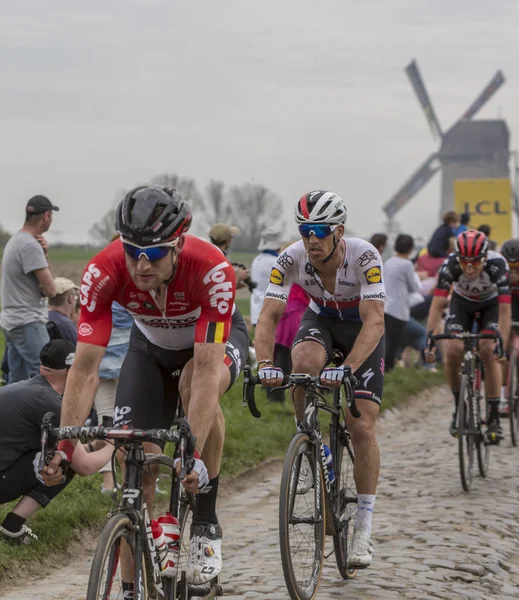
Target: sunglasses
x,y
475,262
151,253
320,230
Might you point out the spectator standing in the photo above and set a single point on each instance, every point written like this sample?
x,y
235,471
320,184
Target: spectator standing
x,y
26,283
464,221
62,307
269,246
221,236
379,240
22,408
438,246
400,283
109,376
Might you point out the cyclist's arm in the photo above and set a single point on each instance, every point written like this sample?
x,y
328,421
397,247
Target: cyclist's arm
x,y
505,321
205,389
435,314
372,315
264,336
87,463
82,383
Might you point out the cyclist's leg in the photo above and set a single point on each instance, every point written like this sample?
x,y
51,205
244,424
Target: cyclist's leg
x,y
311,352
205,558
493,374
140,402
461,318
368,396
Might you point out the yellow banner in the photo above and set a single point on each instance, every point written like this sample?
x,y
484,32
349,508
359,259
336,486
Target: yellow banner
x,y
489,202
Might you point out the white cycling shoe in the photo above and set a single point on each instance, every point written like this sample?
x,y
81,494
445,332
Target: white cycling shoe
x,y
361,551
305,481
205,553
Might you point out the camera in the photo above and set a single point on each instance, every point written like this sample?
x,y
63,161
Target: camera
x,y
248,282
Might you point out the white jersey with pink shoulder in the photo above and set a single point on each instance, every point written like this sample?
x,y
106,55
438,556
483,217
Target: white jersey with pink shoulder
x,y
360,277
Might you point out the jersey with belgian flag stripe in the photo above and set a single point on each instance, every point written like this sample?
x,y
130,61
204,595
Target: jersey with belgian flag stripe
x,y
199,300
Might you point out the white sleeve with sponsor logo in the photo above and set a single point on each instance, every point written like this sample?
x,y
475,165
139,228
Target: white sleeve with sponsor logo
x,y
368,267
283,274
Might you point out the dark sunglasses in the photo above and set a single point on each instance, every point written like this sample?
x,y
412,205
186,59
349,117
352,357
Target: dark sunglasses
x,y
152,253
320,230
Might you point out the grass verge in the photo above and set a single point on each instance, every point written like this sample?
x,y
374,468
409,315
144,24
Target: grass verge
x,y
248,441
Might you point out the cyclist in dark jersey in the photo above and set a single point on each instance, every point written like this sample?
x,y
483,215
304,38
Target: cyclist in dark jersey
x,y
479,278
510,251
180,291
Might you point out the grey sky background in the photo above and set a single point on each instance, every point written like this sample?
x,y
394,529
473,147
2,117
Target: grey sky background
x,y
295,95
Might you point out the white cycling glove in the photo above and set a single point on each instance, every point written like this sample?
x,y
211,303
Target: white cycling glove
x,y
201,469
269,374
332,375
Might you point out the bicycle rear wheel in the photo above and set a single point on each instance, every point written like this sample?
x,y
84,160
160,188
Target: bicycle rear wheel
x,y
106,573
302,519
465,437
344,493
513,398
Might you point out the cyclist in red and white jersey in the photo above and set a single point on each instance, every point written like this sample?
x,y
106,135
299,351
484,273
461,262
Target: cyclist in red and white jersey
x,y
344,281
180,291
479,278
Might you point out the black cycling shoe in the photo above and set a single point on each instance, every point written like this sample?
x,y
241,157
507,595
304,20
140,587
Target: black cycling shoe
x,y
453,427
494,433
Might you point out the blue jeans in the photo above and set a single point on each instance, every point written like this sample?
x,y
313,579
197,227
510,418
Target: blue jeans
x,y
23,350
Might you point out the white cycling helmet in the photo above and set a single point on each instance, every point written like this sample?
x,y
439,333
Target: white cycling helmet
x,y
321,207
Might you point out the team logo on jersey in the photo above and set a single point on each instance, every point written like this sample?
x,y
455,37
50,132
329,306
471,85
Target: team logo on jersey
x,y
133,304
85,329
277,277
373,275
148,305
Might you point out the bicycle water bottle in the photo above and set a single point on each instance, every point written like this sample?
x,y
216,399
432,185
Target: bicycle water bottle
x,y
328,463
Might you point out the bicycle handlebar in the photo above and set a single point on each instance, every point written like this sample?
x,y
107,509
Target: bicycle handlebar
x,y
466,337
303,380
50,435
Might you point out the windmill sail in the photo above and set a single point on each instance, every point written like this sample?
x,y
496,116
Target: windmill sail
x,y
495,83
423,97
413,185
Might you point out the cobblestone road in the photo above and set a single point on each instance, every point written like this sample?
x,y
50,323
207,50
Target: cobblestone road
x,y
431,539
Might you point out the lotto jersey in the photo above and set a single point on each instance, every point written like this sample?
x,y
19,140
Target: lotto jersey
x,y
360,277
199,300
492,282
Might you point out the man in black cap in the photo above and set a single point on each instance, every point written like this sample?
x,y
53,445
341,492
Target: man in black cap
x,y
22,407
26,283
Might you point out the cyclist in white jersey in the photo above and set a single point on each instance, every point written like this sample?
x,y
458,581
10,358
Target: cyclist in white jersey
x,y
344,281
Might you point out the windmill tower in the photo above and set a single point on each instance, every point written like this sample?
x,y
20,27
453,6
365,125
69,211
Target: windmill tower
x,y
469,150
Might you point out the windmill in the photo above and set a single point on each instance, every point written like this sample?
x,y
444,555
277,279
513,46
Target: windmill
x,y
468,150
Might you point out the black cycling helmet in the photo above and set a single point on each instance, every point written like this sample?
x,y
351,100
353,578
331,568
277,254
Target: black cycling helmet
x,y
510,250
152,214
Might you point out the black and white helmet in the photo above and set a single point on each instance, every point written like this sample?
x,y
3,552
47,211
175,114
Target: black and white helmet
x,y
320,206
510,250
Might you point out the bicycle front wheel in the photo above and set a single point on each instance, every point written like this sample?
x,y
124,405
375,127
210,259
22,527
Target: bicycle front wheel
x,y
302,519
118,539
344,494
465,437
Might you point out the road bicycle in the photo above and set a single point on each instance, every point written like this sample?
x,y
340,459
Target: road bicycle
x,y
130,520
469,416
317,498
513,385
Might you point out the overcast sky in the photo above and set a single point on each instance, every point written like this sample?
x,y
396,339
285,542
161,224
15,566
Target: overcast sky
x,y
296,95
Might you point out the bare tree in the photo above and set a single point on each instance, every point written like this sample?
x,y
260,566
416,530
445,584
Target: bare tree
x,y
103,230
185,186
216,200
252,208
